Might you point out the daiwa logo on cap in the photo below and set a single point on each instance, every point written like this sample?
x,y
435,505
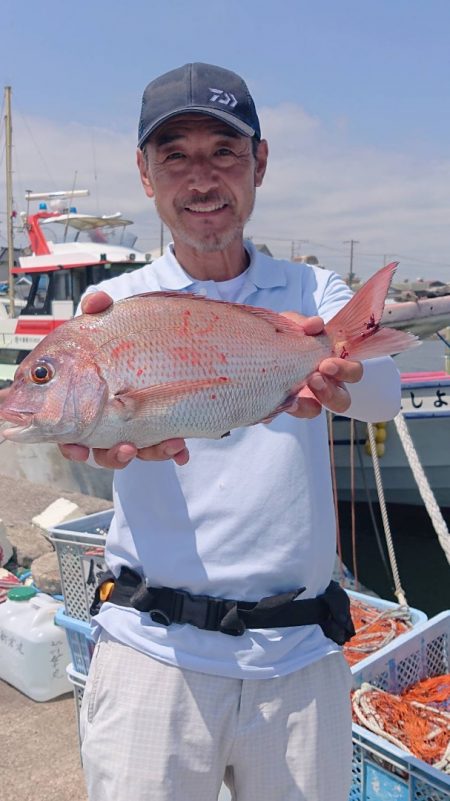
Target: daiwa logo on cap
x,y
220,96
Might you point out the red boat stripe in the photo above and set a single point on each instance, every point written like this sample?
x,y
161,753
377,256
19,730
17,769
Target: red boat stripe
x,y
37,327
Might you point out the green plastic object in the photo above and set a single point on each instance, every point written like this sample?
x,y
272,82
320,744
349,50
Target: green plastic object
x,y
21,593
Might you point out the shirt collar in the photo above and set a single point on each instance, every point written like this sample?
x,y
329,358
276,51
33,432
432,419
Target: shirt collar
x,y
261,272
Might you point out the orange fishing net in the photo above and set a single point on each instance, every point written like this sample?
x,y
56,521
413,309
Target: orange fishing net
x,y
374,629
418,720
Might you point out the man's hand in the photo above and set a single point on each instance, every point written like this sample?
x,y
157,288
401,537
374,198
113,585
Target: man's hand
x,y
121,454
326,386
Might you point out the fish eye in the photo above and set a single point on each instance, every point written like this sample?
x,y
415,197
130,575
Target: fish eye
x,y
42,373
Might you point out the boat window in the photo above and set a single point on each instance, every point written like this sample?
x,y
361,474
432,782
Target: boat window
x,y
12,356
40,295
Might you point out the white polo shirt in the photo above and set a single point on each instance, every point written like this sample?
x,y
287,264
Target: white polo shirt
x,y
250,515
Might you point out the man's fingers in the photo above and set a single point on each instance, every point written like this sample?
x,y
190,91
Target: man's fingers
x,y
120,455
329,393
311,325
76,453
345,370
95,302
305,405
170,449
115,458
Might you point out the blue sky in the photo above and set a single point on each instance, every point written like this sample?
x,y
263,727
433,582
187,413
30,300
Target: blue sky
x,y
353,96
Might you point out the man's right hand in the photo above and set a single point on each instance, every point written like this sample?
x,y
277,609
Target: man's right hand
x,y
120,455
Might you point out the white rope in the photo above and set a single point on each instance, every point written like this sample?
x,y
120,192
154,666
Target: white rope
x,y
425,490
399,592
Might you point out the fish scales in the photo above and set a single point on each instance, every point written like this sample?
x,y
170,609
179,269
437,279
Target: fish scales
x,y
248,372
168,364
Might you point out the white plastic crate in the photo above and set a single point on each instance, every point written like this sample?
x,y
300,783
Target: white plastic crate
x,y
417,617
382,771
78,682
80,641
80,553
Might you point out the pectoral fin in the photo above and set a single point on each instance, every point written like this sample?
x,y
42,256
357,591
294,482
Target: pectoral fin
x,y
137,402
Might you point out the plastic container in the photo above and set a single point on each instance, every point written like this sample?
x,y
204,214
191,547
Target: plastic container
x,y
33,651
381,770
80,549
417,617
80,641
78,683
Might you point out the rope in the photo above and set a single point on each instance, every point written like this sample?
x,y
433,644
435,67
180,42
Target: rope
x,y
399,592
415,721
374,629
425,490
352,482
335,495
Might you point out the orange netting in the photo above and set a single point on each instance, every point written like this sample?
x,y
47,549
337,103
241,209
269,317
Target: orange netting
x,y
417,720
374,628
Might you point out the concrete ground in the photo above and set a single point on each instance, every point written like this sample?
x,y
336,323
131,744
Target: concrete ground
x,y
39,751
40,756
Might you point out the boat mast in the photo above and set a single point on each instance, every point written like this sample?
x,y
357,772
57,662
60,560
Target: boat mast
x,y
9,203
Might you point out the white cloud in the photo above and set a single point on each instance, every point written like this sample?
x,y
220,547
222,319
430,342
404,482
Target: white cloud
x,y
319,187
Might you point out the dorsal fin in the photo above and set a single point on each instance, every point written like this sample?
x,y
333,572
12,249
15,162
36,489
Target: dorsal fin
x,y
280,323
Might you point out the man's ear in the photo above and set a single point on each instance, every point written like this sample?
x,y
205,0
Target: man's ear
x,y
144,173
262,154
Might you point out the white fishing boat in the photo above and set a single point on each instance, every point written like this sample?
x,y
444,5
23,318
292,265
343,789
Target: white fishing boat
x,y
426,411
67,252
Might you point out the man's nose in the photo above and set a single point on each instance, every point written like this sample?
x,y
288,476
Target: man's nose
x,y
203,175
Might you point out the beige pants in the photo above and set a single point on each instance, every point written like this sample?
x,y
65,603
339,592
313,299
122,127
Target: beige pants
x,y
152,732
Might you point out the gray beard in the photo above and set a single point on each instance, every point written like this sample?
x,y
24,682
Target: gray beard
x,y
211,243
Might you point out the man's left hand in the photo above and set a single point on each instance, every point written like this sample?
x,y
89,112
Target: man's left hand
x,y
326,386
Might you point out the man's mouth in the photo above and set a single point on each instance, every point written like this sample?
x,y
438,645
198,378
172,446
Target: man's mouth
x,y
205,208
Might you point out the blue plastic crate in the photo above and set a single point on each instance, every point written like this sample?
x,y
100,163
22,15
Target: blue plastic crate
x,y
80,640
381,770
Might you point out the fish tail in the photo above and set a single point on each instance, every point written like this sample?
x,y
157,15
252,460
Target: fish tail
x,y
355,330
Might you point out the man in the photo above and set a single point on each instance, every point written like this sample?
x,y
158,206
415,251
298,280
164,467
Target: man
x,y
180,698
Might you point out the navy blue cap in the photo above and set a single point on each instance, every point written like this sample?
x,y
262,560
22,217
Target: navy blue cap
x,y
202,89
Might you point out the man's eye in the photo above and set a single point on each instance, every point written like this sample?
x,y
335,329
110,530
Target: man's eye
x,y
224,151
174,156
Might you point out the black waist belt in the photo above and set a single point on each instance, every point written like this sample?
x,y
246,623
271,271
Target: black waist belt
x,y
331,610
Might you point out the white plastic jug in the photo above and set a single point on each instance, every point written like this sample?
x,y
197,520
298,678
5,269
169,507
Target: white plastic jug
x,y
34,652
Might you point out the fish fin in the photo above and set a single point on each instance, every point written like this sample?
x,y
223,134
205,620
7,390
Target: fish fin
x,y
283,407
280,323
355,330
135,401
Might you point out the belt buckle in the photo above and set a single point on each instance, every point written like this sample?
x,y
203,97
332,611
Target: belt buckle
x,y
158,616
194,609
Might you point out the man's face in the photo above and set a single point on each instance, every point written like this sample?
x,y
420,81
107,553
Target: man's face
x,y
202,175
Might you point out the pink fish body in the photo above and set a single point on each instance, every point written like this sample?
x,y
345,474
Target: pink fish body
x,y
165,365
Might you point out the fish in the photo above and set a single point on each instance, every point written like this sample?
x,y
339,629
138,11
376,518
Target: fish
x,y
169,364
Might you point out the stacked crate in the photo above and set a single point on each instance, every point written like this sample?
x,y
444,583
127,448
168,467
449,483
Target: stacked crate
x,y
381,770
80,546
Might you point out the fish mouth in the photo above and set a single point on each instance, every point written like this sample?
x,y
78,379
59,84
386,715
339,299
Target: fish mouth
x,y
19,418
22,422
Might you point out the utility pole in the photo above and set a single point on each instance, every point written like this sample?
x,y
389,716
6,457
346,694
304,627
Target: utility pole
x,y
9,204
351,274
297,243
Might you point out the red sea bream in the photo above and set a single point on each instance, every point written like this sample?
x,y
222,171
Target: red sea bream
x,y
165,365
